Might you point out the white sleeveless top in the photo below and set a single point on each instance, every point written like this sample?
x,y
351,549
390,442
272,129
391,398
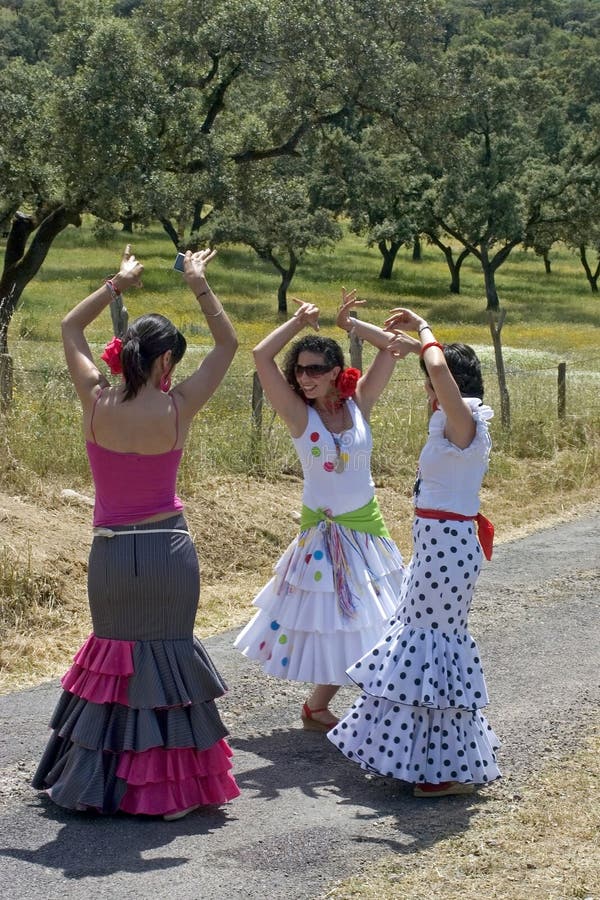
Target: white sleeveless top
x,y
450,478
326,484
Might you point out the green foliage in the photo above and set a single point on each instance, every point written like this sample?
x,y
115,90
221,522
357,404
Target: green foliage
x,y
549,321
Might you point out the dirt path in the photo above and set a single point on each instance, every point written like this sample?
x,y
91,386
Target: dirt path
x,y
306,816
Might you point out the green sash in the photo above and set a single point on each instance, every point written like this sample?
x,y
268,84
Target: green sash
x,y
367,519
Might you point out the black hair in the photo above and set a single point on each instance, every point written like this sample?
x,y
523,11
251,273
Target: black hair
x,y
313,343
464,367
147,338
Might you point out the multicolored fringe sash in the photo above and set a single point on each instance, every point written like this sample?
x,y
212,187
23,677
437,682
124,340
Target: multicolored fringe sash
x,y
366,519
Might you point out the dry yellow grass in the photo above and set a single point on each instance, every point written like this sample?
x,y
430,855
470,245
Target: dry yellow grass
x,y
240,524
536,840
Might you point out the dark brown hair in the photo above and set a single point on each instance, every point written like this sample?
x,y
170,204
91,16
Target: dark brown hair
x,y
147,338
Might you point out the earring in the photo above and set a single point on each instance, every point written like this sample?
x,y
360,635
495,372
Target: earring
x,y
165,383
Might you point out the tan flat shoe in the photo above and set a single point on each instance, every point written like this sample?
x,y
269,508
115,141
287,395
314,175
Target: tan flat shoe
x,y
172,817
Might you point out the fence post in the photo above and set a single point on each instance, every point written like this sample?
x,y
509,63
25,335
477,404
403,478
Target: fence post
x,y
6,380
119,316
356,345
562,390
257,410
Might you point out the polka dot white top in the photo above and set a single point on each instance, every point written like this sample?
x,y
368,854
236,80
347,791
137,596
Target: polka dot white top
x,y
337,468
449,478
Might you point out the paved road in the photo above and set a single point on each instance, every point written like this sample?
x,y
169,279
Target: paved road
x,y
307,817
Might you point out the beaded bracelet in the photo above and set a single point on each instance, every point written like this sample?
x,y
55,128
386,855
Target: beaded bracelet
x,y
430,344
114,292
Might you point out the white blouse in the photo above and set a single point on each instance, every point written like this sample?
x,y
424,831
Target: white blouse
x,y
449,478
339,477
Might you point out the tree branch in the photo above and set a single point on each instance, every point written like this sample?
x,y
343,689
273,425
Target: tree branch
x,y
218,99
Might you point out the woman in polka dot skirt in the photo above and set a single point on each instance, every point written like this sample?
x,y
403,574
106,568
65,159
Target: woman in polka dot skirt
x,y
419,717
337,584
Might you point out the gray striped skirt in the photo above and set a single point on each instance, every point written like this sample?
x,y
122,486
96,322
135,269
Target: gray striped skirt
x,y
136,728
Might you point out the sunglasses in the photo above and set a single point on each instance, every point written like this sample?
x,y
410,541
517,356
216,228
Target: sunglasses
x,y
312,370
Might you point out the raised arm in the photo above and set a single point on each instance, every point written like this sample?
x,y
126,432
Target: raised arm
x,y
372,383
83,370
193,392
460,425
281,395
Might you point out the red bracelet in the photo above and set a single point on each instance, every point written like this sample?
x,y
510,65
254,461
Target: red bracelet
x,y
112,288
430,344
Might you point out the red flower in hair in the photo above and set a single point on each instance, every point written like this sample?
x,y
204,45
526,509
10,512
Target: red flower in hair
x,y
112,356
346,383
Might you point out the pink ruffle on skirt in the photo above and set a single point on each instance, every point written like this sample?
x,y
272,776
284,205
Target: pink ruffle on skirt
x,y
161,781
155,781
101,670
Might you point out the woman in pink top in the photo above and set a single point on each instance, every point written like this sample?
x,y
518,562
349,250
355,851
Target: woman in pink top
x,y
136,728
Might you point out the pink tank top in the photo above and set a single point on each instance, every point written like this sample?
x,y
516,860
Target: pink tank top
x,y
131,487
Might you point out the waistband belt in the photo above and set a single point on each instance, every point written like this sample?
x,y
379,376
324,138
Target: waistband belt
x,y
101,531
485,529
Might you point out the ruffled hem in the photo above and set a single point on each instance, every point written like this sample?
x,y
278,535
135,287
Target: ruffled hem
x,y
101,670
161,765
137,729
163,799
418,745
423,667
143,674
300,656
154,783
117,728
300,632
306,565
163,781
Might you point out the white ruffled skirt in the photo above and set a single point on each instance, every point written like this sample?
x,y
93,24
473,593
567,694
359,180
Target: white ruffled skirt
x,y
300,631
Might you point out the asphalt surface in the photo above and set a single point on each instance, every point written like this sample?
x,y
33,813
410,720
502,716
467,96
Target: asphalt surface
x,y
307,817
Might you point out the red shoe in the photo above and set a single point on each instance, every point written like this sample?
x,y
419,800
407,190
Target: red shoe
x,y
443,789
312,724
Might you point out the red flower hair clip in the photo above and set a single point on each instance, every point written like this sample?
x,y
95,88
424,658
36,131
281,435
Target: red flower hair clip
x,y
112,356
346,383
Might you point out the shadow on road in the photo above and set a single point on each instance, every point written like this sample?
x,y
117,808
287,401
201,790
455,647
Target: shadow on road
x,y
319,798
97,846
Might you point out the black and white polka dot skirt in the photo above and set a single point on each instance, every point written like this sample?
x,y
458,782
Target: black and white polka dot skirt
x,y
419,718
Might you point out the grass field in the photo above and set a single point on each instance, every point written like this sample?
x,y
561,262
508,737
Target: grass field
x,y
550,319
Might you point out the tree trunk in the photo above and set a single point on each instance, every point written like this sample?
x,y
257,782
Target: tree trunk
x,y
592,277
496,320
266,254
127,221
21,264
489,277
6,381
417,254
454,267
547,262
389,257
171,231
286,277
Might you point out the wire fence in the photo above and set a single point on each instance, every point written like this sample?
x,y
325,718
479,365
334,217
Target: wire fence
x,y
552,400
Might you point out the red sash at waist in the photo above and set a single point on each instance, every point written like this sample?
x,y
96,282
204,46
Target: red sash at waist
x,y
485,529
